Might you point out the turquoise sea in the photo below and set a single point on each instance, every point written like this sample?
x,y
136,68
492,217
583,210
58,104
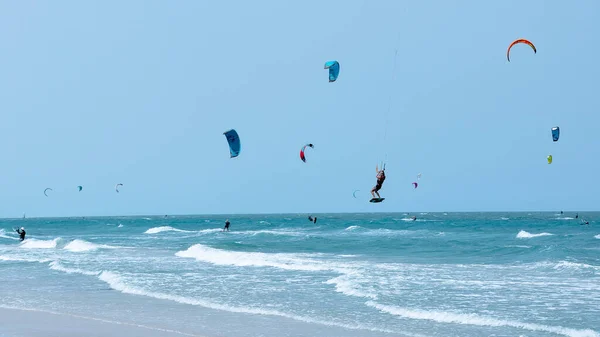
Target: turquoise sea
x,y
444,274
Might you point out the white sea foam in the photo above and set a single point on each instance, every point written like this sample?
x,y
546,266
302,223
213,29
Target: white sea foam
x,y
347,284
117,283
55,265
351,228
474,319
156,230
526,235
22,259
246,259
39,244
574,265
597,236
271,232
3,235
84,246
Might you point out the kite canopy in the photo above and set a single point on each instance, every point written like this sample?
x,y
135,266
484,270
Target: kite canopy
x,y
555,133
519,41
79,188
302,156
117,187
354,193
418,176
415,184
549,159
234,142
46,190
334,70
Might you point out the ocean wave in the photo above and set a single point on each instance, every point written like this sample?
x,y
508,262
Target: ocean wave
x,y
84,246
253,259
597,236
347,284
474,319
55,265
22,259
353,228
39,244
271,232
526,235
3,235
156,230
117,283
574,265
564,218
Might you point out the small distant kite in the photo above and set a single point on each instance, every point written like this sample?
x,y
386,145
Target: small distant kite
x,y
233,139
415,184
555,133
519,41
418,176
79,188
334,70
302,156
354,193
117,187
549,159
46,190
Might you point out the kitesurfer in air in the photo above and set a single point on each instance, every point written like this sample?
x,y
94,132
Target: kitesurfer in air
x,y
380,180
21,232
227,223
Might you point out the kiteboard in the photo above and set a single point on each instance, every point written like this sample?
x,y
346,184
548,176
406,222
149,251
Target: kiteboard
x,y
377,200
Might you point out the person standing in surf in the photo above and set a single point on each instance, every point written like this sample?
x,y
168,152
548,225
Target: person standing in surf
x,y
380,180
21,233
227,223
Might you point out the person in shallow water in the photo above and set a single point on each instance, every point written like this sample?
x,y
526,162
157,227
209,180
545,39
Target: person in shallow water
x,y
21,232
227,223
380,180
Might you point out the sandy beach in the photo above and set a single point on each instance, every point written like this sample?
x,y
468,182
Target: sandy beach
x,y
30,323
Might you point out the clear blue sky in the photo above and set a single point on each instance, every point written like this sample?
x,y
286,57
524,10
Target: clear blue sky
x,y
96,93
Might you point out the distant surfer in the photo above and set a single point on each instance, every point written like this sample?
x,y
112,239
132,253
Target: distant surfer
x,y
380,179
577,216
21,232
227,223
311,219
414,218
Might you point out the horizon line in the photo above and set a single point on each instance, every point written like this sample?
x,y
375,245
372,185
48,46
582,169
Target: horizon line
x,y
268,213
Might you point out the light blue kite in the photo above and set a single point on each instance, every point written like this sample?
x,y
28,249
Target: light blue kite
x,y
334,70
